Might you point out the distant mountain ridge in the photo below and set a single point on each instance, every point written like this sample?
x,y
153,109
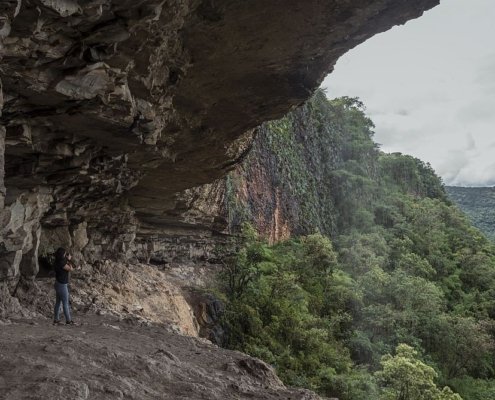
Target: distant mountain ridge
x,y
478,203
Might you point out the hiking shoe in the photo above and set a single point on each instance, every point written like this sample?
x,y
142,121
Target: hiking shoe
x,y
70,323
56,322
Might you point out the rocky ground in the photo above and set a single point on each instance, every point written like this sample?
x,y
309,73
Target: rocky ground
x,y
140,292
107,358
136,338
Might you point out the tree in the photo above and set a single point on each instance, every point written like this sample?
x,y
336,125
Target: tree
x,y
404,377
239,270
319,254
463,346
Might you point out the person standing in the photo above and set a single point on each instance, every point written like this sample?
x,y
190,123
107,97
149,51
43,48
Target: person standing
x,y
63,267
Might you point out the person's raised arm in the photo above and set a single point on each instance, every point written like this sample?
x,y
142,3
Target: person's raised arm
x,y
68,267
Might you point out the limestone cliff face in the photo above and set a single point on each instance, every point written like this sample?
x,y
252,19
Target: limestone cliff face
x,y
114,111
283,187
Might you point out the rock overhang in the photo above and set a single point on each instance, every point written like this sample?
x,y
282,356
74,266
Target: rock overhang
x,y
127,105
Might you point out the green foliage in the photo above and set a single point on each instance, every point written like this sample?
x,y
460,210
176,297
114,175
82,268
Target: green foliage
x,y
278,313
479,205
411,175
474,389
240,270
396,268
405,377
464,345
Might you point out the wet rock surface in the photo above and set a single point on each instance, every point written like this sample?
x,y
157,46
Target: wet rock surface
x,y
105,358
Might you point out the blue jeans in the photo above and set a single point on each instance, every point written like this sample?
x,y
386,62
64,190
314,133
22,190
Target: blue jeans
x,y
62,292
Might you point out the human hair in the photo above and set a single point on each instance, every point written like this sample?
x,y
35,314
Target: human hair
x,y
60,256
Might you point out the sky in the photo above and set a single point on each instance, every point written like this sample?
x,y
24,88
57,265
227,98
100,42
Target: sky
x,y
429,87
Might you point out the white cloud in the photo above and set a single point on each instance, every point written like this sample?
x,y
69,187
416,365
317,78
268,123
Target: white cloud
x,y
429,86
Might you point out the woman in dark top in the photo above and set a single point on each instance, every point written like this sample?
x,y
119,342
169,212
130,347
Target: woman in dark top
x,y
63,267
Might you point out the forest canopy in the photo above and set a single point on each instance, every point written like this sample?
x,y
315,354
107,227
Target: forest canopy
x,y
393,294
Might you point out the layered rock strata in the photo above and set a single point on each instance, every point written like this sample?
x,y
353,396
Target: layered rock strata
x,y
113,112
